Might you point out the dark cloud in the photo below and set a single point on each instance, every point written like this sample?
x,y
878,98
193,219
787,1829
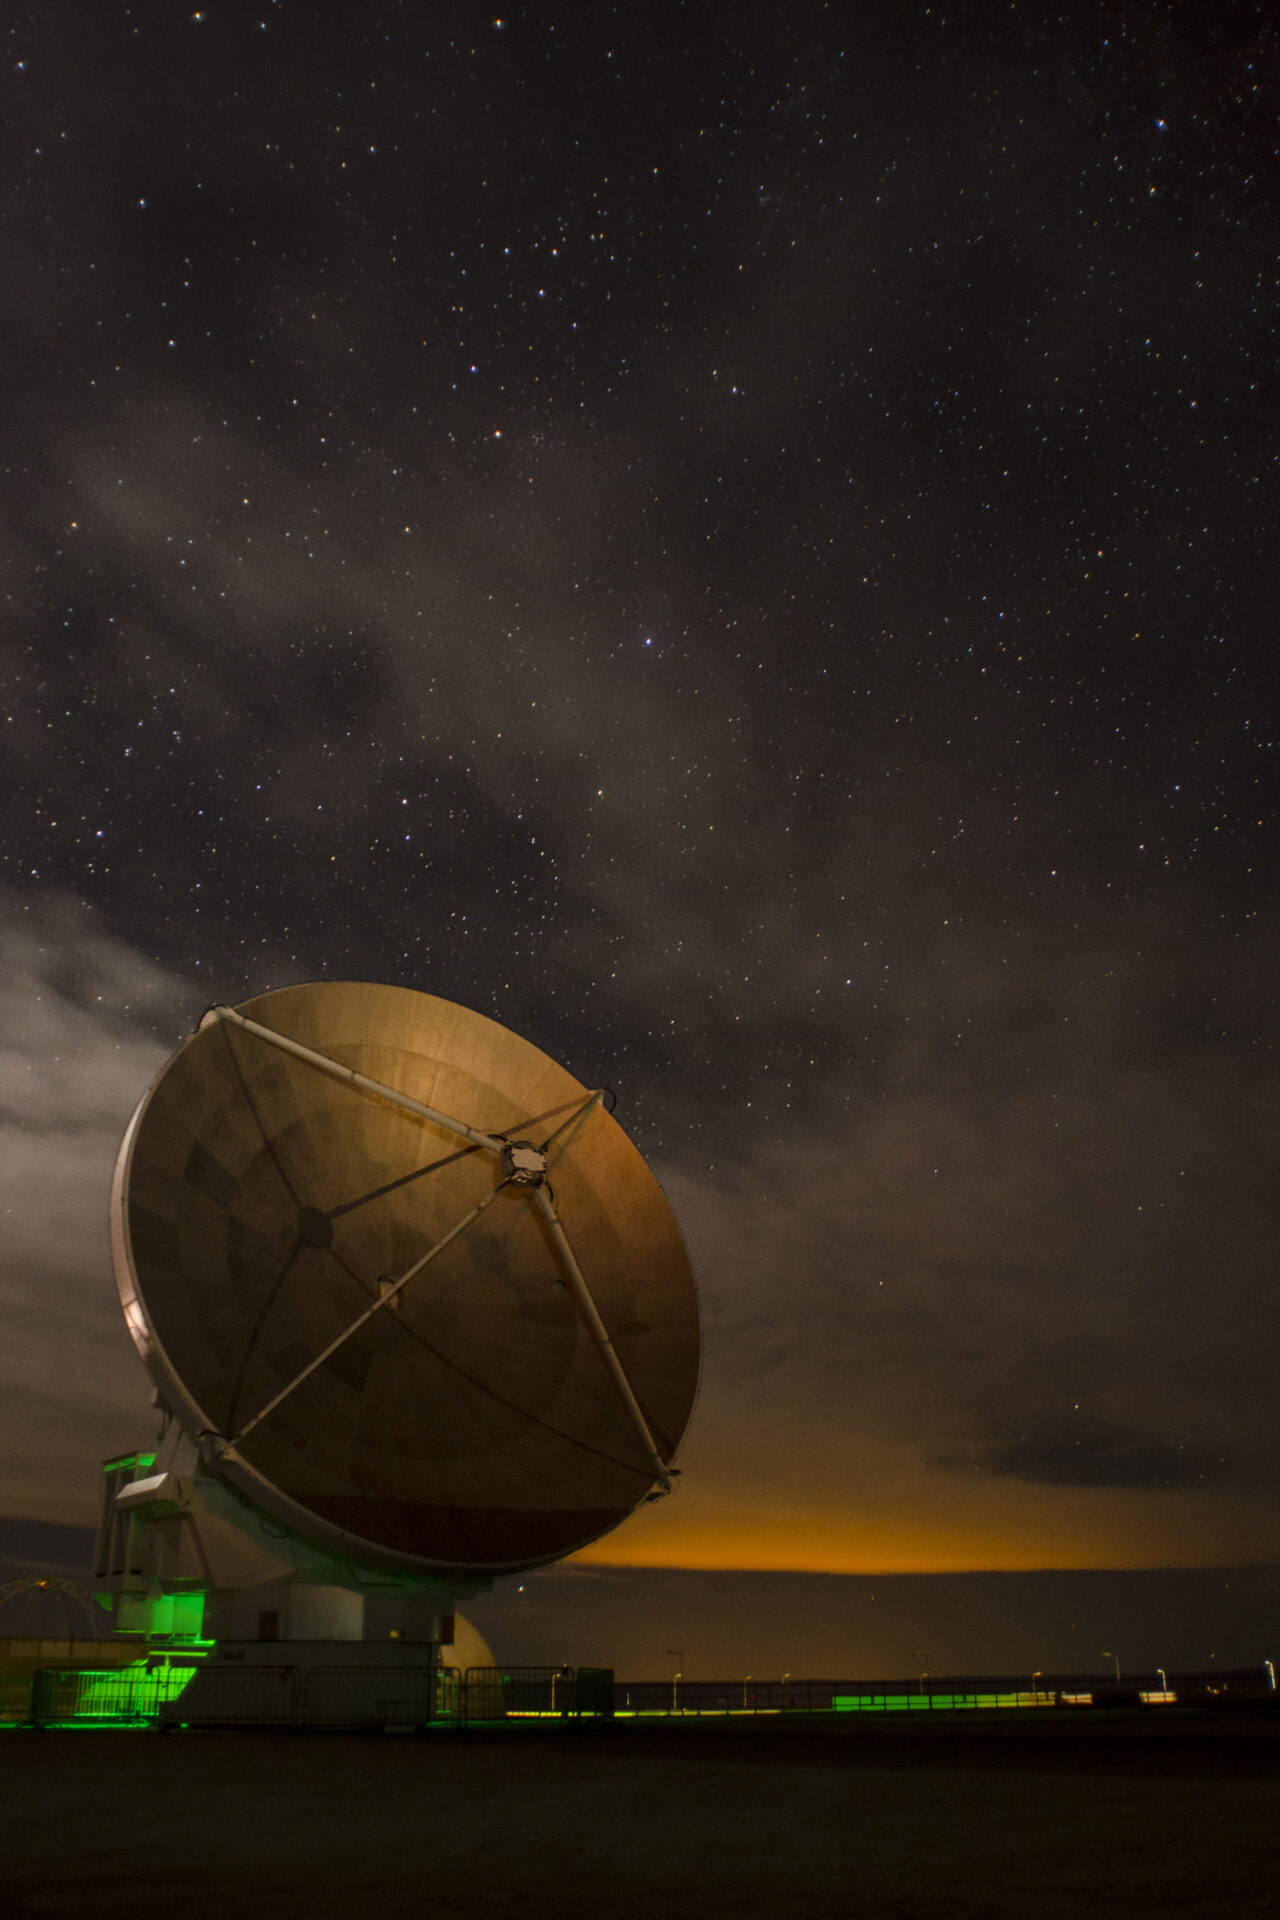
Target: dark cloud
x,y
80,1012
1068,1448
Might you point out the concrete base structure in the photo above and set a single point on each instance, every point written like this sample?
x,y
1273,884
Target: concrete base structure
x,y
279,1632
183,1559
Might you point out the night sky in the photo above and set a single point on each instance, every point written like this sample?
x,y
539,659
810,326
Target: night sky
x,y
741,542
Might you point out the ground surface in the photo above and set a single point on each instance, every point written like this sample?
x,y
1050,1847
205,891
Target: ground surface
x,y
1109,1815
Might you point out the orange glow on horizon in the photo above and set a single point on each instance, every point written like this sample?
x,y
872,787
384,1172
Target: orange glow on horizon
x,y
1076,1530
745,1551
747,1555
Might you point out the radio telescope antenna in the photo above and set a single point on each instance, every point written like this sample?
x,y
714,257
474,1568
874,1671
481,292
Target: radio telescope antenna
x,y
404,1281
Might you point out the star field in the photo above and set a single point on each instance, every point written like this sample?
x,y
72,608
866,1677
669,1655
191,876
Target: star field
x,y
742,547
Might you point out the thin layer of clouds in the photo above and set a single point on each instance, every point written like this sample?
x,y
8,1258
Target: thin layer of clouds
x,y
1030,1255
81,1013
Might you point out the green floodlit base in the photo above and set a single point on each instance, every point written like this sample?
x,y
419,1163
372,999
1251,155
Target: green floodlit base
x,y
85,1697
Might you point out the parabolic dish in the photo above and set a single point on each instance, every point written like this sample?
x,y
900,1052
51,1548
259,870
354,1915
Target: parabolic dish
x,y
481,1419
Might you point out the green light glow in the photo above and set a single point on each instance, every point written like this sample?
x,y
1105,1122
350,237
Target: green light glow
x,y
130,1460
173,1617
923,1702
70,1697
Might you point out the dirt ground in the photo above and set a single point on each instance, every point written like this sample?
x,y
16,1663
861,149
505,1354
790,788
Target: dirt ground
x,y
770,1819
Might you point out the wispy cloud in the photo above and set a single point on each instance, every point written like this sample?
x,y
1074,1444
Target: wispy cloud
x,y
80,1012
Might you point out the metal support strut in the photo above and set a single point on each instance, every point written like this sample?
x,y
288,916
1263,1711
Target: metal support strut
x,y
600,1334
385,1299
336,1071
523,1166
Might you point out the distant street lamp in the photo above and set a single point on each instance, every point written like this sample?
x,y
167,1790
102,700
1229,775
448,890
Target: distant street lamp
x,y
1164,1684
1113,1656
925,1674
1271,1674
1035,1691
675,1654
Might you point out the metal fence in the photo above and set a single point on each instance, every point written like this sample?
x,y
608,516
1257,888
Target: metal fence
x,y
169,1695
506,1693
366,1697
353,1697
287,1696
654,1697
676,1697
449,1696
399,1698
172,1695
15,1699
80,1696
222,1696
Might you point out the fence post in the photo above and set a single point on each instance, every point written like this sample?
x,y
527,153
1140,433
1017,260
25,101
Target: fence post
x,y
43,1682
